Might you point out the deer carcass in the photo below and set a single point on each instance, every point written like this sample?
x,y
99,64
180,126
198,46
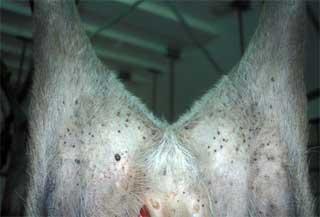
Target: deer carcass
x,y
95,150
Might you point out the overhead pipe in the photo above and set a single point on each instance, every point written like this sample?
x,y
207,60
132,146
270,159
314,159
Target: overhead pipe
x,y
109,33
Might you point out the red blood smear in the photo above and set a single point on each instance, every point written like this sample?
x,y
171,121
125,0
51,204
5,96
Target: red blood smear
x,y
144,212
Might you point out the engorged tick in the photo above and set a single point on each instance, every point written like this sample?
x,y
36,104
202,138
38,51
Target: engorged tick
x,y
117,157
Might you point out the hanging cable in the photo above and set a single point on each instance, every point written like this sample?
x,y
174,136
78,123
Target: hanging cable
x,y
117,19
190,34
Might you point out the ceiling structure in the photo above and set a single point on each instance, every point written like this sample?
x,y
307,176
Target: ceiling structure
x,y
138,41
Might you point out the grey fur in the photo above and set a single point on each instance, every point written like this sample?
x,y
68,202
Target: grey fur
x,y
239,152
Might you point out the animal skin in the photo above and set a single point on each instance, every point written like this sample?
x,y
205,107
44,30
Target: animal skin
x,y
95,150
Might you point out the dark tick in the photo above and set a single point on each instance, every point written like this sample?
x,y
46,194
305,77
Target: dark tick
x,y
117,157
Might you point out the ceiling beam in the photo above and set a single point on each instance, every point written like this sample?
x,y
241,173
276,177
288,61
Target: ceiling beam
x,y
103,53
14,31
165,12
109,33
128,38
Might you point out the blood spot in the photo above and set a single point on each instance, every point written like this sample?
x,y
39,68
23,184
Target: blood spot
x,y
144,212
